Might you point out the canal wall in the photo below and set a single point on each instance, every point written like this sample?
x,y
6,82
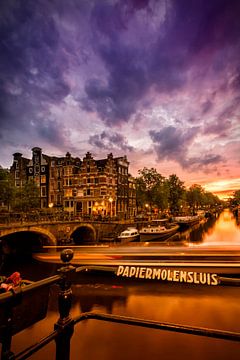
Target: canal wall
x,y
60,233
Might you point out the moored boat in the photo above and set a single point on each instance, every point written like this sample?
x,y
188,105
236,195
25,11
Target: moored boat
x,y
129,234
158,230
186,221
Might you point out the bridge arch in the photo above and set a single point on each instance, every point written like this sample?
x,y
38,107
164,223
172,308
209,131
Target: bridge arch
x,y
84,234
47,236
25,241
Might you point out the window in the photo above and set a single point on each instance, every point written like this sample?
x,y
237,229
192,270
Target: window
x,y
89,206
74,192
96,180
42,168
88,192
30,170
43,179
43,191
68,192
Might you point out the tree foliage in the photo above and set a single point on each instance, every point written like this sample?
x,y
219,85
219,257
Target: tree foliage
x,y
27,198
7,190
151,189
194,196
235,201
176,193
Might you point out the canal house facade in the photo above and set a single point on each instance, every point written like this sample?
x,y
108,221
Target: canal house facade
x,y
87,187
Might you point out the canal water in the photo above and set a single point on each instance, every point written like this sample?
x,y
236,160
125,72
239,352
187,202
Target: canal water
x,y
216,307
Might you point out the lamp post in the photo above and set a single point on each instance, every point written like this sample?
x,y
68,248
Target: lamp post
x,y
111,201
147,210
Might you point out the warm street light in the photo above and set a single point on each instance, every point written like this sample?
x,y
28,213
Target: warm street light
x,y
50,205
111,201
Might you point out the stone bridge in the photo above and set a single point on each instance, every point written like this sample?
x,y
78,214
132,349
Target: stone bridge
x,y
38,234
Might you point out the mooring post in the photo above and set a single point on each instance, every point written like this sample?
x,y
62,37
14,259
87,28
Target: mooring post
x,y
65,324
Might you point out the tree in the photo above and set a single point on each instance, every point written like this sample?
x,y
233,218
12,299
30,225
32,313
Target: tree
x,y
6,188
160,195
235,201
210,199
175,194
27,198
195,197
151,189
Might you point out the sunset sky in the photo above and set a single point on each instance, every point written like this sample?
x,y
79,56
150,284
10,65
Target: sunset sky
x,y
158,81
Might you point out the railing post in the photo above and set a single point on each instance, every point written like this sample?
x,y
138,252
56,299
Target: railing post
x,y
7,333
65,324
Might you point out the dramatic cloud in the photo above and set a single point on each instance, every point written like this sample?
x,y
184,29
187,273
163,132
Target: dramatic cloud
x,y
159,77
110,142
172,144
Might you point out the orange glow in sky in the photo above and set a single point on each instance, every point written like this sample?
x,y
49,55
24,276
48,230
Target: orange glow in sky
x,y
223,188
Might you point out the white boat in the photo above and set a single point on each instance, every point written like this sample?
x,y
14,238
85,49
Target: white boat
x,y
158,230
130,234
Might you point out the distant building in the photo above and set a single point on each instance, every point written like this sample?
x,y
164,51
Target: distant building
x,y
18,170
38,171
85,187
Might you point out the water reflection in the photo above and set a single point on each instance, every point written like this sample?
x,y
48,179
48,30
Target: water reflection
x,y
223,230
204,306
213,307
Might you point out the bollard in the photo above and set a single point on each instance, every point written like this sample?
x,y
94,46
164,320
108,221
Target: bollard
x,y
65,324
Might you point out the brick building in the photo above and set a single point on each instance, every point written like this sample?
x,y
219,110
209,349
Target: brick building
x,y
80,187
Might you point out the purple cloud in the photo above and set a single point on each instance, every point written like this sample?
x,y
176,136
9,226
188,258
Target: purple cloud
x,y
108,141
169,68
173,144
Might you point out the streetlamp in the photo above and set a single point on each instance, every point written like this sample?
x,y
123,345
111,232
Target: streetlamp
x,y
147,211
111,201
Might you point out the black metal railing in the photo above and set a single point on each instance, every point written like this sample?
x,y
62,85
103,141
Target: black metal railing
x,y
64,327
